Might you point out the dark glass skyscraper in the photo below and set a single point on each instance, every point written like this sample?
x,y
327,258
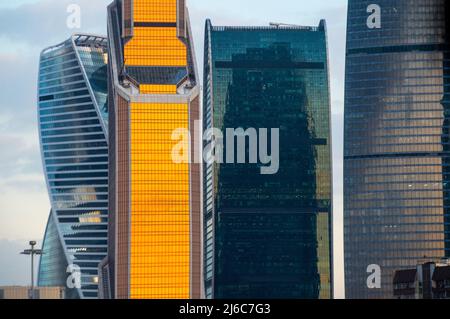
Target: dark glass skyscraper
x,y
269,236
397,156
72,115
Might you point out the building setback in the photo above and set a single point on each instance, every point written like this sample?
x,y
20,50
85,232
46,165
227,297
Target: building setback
x,y
269,236
397,151
155,202
72,116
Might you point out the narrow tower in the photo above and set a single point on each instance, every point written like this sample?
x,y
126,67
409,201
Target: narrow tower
x,y
155,244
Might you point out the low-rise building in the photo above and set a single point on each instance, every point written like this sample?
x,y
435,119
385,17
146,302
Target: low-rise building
x,y
441,282
405,284
427,281
21,292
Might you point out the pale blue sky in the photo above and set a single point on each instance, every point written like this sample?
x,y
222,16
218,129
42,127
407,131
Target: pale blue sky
x,y
16,3
28,26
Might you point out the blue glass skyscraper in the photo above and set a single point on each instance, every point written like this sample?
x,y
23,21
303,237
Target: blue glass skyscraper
x,y
397,156
269,236
72,114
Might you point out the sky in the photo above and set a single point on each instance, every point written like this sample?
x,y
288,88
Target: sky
x,y
28,26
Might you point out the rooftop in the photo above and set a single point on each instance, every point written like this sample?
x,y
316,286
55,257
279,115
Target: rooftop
x,y
405,276
441,273
271,26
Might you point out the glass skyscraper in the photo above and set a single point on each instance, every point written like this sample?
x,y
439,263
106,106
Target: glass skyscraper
x,y
53,262
72,115
155,229
397,155
269,236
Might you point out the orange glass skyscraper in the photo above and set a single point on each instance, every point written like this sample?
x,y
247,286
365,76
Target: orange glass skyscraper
x,y
155,203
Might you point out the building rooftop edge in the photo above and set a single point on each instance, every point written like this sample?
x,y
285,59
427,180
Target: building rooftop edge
x,y
71,38
271,26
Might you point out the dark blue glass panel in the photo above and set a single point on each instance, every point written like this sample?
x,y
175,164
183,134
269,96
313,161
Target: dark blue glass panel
x,y
269,236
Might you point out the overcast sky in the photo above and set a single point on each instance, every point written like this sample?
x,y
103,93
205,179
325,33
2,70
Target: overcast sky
x,y
28,26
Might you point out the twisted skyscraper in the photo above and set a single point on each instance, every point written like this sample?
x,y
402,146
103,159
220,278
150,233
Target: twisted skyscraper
x,y
72,115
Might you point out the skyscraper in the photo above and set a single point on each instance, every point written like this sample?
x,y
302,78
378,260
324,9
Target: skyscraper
x,y
72,115
268,236
155,229
397,111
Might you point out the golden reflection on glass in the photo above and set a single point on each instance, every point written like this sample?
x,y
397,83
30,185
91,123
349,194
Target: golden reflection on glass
x,y
160,206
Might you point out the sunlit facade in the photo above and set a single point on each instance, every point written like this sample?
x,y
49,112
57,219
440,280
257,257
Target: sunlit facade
x,y
269,236
155,241
397,152
72,115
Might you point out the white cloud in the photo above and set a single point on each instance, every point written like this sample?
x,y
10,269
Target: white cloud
x,y
23,214
43,23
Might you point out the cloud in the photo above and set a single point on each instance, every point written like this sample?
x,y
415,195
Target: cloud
x,y
25,30
18,85
43,23
18,120
24,214
22,156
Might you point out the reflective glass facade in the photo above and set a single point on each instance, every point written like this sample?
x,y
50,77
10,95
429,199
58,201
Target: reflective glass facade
x,y
269,236
156,247
396,202
72,113
53,262
160,225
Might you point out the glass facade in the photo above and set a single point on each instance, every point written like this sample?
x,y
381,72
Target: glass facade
x,y
160,228
396,201
269,236
53,262
157,244
72,113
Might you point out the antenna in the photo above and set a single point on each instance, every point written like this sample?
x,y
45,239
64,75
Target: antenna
x,y
277,25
